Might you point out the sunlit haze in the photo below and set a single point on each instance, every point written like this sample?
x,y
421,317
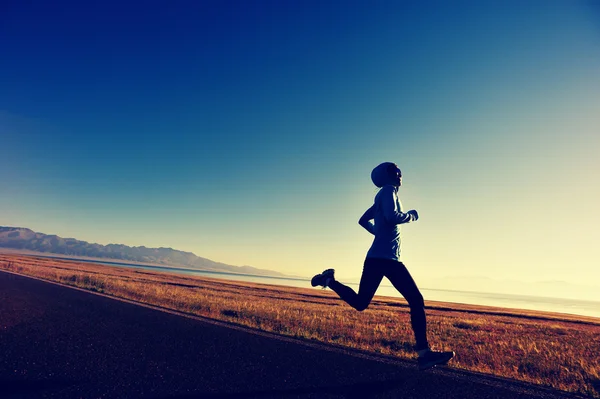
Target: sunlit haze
x,y
245,132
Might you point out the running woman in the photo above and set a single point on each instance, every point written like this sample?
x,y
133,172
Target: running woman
x,y
383,259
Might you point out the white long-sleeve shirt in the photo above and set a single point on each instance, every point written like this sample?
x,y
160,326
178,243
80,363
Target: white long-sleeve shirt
x,y
388,216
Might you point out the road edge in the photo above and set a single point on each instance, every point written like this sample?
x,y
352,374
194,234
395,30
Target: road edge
x,y
517,386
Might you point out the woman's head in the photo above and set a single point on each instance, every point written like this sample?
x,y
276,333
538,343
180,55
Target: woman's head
x,y
387,173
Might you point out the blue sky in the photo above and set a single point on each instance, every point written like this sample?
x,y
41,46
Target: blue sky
x,y
245,132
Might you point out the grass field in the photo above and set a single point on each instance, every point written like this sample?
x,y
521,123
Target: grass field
x,y
553,350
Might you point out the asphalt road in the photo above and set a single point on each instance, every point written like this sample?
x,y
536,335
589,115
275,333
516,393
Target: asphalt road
x,y
60,342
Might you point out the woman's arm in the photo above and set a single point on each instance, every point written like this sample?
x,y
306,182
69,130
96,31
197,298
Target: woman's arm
x,y
365,221
391,213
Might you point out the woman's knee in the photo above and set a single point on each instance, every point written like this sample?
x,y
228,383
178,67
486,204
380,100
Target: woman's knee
x,y
361,305
416,301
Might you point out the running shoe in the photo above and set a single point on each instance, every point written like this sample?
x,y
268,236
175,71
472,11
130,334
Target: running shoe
x,y
321,279
433,358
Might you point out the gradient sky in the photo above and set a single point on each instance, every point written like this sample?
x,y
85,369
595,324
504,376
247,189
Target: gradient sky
x,y
246,131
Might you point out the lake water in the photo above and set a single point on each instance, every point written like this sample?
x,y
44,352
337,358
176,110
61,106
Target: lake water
x,y
560,305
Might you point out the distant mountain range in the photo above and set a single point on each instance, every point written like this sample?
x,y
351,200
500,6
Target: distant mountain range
x,y
20,238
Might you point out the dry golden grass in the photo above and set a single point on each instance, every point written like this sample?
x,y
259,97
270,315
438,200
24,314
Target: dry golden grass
x,y
554,350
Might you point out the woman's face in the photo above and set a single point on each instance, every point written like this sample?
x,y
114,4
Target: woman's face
x,y
396,176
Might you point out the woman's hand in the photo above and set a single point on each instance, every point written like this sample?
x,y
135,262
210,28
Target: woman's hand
x,y
414,214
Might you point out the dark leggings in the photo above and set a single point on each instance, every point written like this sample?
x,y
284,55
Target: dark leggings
x,y
373,272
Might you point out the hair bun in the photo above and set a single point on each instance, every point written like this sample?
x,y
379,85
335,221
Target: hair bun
x,y
380,176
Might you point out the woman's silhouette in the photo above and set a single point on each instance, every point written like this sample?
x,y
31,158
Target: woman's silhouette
x,y
383,260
